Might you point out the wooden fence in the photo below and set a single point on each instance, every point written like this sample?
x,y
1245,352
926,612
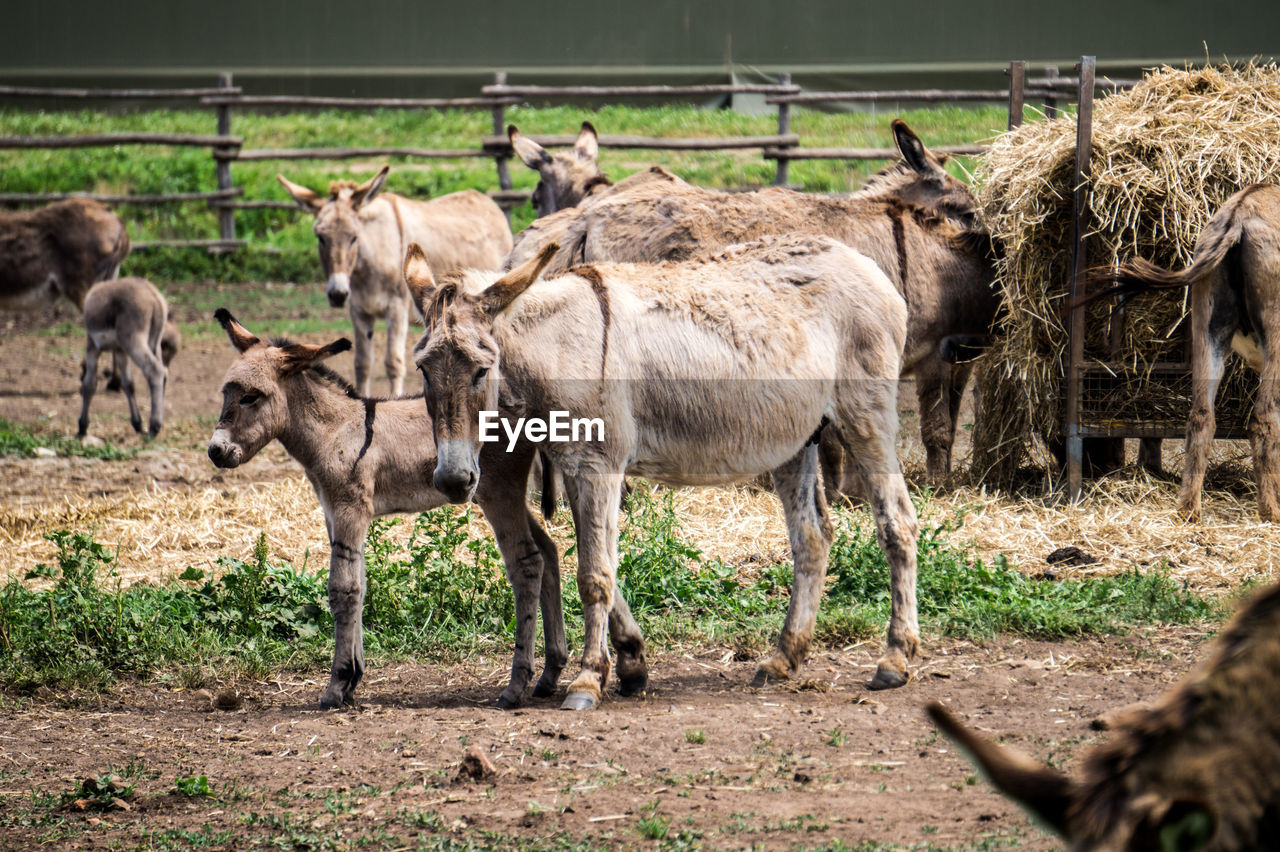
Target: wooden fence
x,y
783,147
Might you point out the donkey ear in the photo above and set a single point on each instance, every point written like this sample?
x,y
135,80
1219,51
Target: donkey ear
x,y
501,293
296,357
417,274
912,149
530,153
307,199
240,337
588,144
369,190
1046,794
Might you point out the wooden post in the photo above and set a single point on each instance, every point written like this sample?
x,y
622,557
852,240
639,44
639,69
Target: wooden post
x,y
1017,87
500,129
1079,262
1051,103
784,127
222,167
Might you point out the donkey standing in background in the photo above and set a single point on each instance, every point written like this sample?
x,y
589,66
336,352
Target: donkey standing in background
x,y
916,221
59,250
1234,278
366,458
709,371
129,318
566,178
363,233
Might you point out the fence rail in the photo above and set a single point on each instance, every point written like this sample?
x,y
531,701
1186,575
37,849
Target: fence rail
x,y
227,149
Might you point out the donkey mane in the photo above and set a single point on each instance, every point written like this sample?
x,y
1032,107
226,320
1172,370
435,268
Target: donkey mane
x,y
336,187
593,182
887,181
444,296
976,241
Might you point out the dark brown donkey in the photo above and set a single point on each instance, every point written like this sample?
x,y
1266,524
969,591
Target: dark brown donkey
x,y
1197,770
59,250
366,458
1234,278
918,223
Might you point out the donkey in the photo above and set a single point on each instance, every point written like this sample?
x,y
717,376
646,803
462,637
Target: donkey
x,y
917,222
59,250
366,458
1234,278
129,318
566,178
362,234
1198,770
709,371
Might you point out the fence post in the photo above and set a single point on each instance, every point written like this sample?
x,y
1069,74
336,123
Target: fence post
x,y
1079,262
1017,87
500,129
1051,103
784,127
222,167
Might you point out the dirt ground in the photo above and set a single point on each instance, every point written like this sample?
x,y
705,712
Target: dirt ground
x,y
700,760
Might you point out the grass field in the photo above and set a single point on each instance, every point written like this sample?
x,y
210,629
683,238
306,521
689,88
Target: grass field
x,y
281,245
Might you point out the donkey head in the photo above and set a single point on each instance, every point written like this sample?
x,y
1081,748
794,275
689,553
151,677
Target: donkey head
x,y
1091,817
921,179
255,407
338,227
567,178
170,341
459,359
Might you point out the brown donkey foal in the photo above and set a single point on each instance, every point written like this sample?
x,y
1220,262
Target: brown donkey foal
x,y
129,318
698,373
1234,278
366,458
1197,770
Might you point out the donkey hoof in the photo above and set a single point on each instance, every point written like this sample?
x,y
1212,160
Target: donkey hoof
x,y
579,701
332,700
764,678
507,702
544,689
633,684
887,678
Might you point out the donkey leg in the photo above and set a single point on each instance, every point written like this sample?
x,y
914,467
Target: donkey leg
x,y
156,374
937,427
397,331
126,384
346,601
524,563
628,642
869,425
88,385
594,498
810,533
556,646
1265,434
362,326
1213,322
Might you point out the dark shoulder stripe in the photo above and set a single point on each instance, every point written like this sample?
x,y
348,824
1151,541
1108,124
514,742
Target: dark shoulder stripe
x,y
596,280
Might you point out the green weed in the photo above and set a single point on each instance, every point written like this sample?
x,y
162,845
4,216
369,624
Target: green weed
x,y
16,440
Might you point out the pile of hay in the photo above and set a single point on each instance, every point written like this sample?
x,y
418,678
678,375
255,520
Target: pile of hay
x,y
1165,156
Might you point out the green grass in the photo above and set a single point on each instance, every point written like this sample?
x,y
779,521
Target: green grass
x,y
16,440
282,247
445,596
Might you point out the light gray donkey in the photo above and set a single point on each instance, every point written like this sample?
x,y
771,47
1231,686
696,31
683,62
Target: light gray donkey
x,y
366,458
709,371
362,234
129,318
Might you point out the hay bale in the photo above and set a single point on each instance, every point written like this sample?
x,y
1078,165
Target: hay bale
x,y
1165,156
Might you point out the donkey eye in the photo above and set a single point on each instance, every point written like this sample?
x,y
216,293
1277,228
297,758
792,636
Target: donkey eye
x,y
480,374
250,399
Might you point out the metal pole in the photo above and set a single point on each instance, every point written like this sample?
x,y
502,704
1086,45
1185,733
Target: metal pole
x,y
784,127
1017,87
222,168
1079,262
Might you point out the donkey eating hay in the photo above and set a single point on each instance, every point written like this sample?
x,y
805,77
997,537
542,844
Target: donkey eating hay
x,y
365,458
703,372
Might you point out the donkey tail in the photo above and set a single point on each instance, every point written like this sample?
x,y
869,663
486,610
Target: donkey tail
x,y
548,503
1219,237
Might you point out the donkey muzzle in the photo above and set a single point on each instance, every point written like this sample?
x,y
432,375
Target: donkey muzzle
x,y
456,473
223,453
337,289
